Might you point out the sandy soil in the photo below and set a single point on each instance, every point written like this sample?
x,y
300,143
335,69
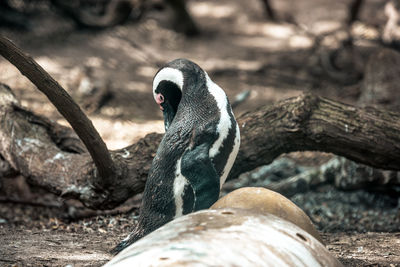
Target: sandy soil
x,y
239,49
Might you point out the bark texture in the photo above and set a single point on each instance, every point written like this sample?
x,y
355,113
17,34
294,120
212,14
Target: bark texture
x,y
53,157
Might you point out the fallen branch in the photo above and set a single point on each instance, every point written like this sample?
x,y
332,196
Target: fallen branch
x,y
369,136
296,128
34,149
67,107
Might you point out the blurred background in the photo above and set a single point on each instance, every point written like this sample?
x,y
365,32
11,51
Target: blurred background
x,y
106,52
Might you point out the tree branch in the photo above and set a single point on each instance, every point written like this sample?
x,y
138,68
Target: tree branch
x,y
66,106
369,136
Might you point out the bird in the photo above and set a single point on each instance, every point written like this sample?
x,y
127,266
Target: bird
x,y
196,153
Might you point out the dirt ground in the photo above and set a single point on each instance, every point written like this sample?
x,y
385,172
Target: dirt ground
x,y
61,248
241,51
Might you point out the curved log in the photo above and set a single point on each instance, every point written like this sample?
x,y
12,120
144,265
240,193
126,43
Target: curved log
x,y
226,237
302,123
51,156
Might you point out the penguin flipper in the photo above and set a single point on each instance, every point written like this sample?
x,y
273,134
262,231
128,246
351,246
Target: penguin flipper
x,y
197,167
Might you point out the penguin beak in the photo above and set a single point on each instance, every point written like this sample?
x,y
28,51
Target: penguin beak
x,y
167,108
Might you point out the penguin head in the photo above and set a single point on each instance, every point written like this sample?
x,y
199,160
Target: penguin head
x,y
178,79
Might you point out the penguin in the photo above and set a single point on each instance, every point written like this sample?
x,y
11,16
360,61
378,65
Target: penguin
x,y
196,153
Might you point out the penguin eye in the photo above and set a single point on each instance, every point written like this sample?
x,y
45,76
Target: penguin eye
x,y
159,98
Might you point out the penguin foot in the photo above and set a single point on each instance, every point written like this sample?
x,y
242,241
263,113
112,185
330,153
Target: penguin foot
x,y
129,240
121,246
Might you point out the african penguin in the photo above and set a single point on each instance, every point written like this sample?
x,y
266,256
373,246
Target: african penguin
x,y
197,151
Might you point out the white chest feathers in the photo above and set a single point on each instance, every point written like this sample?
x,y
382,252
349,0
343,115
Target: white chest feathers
x,y
179,186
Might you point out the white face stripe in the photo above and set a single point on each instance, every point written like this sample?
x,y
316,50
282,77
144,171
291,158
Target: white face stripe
x,y
179,185
168,74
